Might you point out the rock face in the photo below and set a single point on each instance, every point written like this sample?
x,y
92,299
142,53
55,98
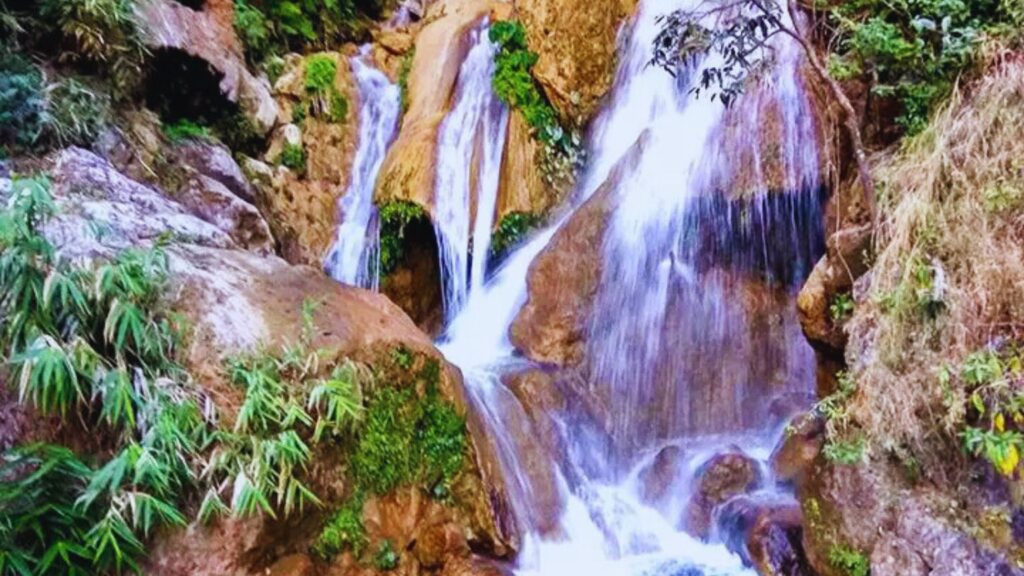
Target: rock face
x,y
895,527
576,43
766,534
722,477
795,454
564,277
209,34
441,45
302,208
657,479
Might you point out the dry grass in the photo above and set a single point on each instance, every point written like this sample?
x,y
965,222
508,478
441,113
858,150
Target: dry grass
x,y
949,274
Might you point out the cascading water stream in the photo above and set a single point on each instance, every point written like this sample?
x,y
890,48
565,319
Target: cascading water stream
x,y
469,153
353,259
667,321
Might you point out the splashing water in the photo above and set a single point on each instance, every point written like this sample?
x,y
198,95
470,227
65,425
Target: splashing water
x,y
469,155
685,343
354,257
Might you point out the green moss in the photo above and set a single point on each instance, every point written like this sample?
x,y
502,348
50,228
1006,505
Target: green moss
x,y
403,77
514,84
293,157
395,217
386,558
511,230
344,530
320,72
185,129
324,99
383,459
851,562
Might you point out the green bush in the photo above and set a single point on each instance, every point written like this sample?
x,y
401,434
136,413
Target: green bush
x,y
22,103
254,30
325,101
91,345
276,27
914,51
511,230
394,218
849,561
103,33
77,113
185,129
293,157
343,530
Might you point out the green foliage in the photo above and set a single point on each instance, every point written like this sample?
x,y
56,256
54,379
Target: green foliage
x,y
395,217
92,346
22,103
325,101
343,530
404,69
185,129
103,33
511,230
514,85
386,558
843,445
995,406
841,306
77,113
914,51
293,156
275,27
849,561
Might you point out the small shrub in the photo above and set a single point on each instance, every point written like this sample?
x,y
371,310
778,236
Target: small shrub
x,y
394,218
186,130
325,101
103,33
275,27
293,157
22,103
77,113
344,530
849,561
253,29
841,307
511,230
386,558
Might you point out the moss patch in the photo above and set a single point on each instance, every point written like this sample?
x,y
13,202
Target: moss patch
x,y
395,217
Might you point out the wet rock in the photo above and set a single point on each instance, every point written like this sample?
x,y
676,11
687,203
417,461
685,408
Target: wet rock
x,y
768,535
800,445
474,567
409,169
564,277
576,45
722,477
657,480
209,34
521,188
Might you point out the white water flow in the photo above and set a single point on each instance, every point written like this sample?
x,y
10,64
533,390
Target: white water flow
x,y
693,317
469,152
354,256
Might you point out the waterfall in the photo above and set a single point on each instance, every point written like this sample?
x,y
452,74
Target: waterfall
x,y
354,258
469,152
676,344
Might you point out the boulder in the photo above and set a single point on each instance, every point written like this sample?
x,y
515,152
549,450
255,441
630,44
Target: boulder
x,y
441,45
562,280
658,478
209,34
721,478
766,533
212,201
793,457
576,45
214,161
104,211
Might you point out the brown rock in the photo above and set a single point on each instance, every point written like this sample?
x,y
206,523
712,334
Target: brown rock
x,y
656,480
214,202
766,534
209,34
722,477
441,45
576,43
474,567
521,187
293,565
214,161
798,449
564,277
